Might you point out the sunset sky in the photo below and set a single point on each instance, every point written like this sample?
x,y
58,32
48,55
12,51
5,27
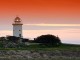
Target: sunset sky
x,y
40,11
41,15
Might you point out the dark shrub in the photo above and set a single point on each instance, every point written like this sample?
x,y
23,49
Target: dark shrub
x,y
48,40
13,38
25,40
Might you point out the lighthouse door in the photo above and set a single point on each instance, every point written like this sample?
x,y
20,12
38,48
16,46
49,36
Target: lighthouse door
x,y
19,35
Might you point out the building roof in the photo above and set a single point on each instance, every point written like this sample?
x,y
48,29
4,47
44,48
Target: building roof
x,y
17,19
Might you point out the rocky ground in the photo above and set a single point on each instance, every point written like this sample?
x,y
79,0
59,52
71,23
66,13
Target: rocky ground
x,y
39,55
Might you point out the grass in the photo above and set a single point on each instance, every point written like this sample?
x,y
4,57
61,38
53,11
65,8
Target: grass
x,y
58,58
61,48
37,47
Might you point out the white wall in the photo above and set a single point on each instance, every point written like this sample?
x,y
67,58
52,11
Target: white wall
x,y
17,30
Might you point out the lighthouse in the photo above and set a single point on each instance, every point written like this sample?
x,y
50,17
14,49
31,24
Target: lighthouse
x,y
17,27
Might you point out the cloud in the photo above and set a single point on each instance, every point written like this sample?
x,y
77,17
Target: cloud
x,y
52,24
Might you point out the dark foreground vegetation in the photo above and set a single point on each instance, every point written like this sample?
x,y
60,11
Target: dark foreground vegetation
x,y
40,52
45,47
17,42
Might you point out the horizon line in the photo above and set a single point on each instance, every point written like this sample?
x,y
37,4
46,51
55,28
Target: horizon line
x,y
42,24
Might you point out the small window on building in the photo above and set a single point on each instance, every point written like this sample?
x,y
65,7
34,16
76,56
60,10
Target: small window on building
x,y
19,30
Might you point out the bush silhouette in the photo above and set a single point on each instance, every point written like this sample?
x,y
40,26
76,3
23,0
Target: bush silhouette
x,y
48,40
25,40
13,38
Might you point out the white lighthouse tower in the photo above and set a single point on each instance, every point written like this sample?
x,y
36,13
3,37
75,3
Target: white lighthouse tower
x,y
17,27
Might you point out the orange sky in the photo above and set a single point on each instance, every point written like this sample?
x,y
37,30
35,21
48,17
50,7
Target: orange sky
x,y
40,11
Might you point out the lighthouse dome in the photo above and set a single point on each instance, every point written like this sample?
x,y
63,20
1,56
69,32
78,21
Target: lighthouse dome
x,y
17,19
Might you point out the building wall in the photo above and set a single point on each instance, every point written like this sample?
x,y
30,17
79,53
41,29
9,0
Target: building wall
x,y
17,30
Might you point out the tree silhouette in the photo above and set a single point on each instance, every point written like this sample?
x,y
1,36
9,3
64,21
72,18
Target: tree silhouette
x,y
48,40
